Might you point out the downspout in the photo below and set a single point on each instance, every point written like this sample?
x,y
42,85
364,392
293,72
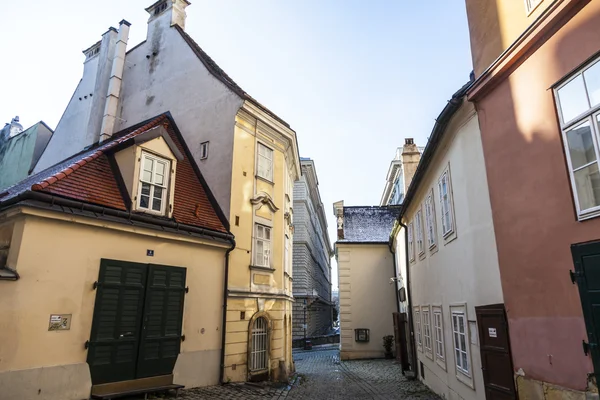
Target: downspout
x,y
409,296
224,324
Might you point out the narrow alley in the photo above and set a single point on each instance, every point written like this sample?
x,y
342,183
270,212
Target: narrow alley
x,y
320,376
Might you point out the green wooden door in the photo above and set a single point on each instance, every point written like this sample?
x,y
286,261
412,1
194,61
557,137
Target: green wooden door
x,y
116,328
136,330
163,316
586,257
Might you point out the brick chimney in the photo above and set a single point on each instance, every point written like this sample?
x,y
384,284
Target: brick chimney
x,y
410,159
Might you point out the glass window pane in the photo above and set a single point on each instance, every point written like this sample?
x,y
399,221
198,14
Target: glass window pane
x,y
147,176
463,344
581,145
461,324
159,179
587,182
156,204
465,364
145,189
592,81
160,168
267,233
259,253
458,360
148,162
573,100
158,192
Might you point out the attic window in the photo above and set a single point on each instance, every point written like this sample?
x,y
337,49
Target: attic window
x,y
153,187
160,8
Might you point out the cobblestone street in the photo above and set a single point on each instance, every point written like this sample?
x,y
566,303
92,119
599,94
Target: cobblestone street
x,y
321,376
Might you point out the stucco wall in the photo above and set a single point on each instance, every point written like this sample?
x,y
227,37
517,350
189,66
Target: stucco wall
x,y
536,223
494,25
174,79
58,261
367,300
461,271
79,126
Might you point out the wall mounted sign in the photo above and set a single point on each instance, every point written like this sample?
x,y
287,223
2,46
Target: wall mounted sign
x,y
492,332
150,253
60,322
361,335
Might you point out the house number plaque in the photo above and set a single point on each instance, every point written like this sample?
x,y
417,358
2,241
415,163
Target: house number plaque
x,y
59,322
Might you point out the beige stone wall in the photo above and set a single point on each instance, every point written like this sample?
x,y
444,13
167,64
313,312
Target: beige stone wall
x,y
236,345
367,300
58,258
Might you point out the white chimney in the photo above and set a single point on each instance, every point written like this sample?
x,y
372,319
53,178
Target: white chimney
x,y
115,82
171,12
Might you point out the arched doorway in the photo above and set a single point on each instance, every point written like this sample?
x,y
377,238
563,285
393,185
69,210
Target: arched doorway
x,y
259,346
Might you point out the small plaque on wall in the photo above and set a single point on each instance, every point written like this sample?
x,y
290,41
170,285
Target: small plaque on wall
x,y
361,335
60,322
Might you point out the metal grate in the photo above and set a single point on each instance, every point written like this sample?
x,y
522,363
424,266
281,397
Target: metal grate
x,y
260,336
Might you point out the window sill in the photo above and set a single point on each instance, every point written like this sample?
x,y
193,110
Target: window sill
x,y
264,180
464,378
429,354
441,363
449,237
149,212
421,256
261,268
593,213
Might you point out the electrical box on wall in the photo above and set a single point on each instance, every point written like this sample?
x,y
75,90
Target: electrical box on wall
x,y
361,335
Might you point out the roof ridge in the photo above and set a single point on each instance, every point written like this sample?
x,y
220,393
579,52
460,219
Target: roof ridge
x,y
68,170
221,75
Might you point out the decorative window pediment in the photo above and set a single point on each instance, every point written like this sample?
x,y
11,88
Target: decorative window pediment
x,y
264,199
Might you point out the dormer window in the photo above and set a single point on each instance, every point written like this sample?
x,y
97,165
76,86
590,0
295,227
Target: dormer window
x,y
154,181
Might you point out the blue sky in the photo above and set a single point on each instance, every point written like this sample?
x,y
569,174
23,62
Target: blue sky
x,y
353,78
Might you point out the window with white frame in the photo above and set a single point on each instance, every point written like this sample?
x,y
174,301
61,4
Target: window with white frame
x,y
430,220
411,245
204,150
446,203
153,187
578,104
265,162
419,228
262,246
530,5
438,334
426,330
418,328
459,332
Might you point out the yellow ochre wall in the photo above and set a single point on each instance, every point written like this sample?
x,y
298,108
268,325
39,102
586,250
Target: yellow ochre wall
x,y
58,259
257,290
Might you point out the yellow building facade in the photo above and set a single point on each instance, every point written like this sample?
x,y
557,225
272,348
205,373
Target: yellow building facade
x,y
258,341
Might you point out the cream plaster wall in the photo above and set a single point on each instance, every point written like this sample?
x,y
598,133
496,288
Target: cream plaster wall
x,y
367,300
465,269
58,261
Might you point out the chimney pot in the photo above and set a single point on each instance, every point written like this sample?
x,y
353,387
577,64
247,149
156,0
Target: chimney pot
x,y
409,141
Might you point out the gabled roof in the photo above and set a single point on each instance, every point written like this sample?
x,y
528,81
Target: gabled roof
x,y
92,177
369,224
218,73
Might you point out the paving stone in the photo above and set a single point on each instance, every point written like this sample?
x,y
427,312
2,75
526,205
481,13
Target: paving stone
x,y
321,375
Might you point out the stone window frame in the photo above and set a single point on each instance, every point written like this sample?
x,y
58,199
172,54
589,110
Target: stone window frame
x,y
447,207
411,243
417,317
462,375
438,335
166,185
430,220
259,157
420,236
426,326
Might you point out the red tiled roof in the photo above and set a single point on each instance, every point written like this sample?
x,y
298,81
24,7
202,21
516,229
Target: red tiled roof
x,y
90,178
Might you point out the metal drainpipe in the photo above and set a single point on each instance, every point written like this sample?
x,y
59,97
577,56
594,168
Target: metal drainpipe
x,y
224,324
395,265
409,295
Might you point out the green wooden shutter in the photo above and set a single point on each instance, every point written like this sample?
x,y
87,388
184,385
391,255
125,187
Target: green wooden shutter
x,y
116,326
586,258
163,316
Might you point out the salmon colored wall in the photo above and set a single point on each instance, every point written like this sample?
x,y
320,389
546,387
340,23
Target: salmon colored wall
x,y
533,210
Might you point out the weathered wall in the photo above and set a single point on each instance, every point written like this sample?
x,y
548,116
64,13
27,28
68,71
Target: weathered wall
x,y
80,123
536,224
58,261
461,271
494,25
174,79
367,300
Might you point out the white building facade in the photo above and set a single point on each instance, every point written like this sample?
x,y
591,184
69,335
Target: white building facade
x,y
449,256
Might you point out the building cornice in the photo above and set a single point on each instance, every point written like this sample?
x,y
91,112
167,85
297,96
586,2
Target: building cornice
x,y
549,21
